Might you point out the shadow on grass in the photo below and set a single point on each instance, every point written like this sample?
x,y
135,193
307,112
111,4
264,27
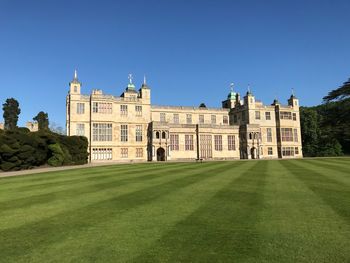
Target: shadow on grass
x,y
223,230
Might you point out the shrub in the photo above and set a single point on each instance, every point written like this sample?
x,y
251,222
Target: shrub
x,y
57,157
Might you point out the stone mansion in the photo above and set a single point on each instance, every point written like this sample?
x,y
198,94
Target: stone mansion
x,y
130,128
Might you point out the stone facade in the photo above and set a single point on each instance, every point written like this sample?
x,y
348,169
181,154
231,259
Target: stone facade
x,y
32,126
129,128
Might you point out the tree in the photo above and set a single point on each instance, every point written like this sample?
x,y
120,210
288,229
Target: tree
x,y
310,132
43,121
11,111
341,93
56,128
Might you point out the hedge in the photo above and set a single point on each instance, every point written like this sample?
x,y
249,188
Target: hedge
x,y
21,149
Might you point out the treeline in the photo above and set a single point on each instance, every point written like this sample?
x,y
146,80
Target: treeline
x,y
325,128
22,149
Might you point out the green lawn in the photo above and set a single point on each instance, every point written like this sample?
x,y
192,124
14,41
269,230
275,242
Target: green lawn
x,y
241,211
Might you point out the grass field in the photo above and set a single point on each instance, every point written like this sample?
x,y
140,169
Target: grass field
x,y
242,211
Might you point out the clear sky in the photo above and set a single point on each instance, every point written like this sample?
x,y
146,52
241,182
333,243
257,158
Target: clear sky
x,y
189,50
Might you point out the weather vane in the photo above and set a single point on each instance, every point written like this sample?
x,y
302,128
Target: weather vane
x,y
130,78
231,86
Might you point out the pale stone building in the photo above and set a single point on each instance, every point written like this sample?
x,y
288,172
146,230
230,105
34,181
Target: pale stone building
x,y
32,126
129,128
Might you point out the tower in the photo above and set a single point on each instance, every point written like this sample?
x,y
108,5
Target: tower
x,y
75,84
249,99
293,101
145,92
230,102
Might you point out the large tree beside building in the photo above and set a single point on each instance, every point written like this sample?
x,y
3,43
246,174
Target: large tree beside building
x,y
43,121
326,128
11,111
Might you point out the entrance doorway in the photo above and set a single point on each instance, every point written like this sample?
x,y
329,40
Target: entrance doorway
x,y
253,153
160,154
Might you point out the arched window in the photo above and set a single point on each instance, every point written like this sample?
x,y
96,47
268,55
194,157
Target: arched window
x,y
250,136
157,135
163,135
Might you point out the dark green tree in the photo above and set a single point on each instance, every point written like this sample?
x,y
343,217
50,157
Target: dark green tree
x,y
11,111
341,93
43,121
310,131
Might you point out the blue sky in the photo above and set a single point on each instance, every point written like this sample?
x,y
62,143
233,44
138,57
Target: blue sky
x,y
189,50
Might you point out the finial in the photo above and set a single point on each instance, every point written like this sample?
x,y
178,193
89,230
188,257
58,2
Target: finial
x,y
231,86
144,79
293,92
75,74
249,88
130,78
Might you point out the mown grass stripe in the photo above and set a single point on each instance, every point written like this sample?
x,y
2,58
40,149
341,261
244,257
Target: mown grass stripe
x,y
78,188
224,225
334,193
148,222
22,191
51,177
329,165
67,222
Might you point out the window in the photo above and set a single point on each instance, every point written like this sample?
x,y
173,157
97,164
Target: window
x,y
124,133
218,142
80,129
163,135
294,116
174,142
269,151
288,151
296,150
157,135
138,110
235,118
189,142
176,118
75,88
189,118
206,146
268,134
102,132
101,154
285,115
231,143
162,117
213,119
102,107
287,134
296,135
95,107
124,110
124,152
257,115
225,120
139,152
139,133
201,119
268,115
80,108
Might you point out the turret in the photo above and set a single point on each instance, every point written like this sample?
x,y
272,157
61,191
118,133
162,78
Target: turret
x,y
293,101
249,99
145,91
230,102
75,84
